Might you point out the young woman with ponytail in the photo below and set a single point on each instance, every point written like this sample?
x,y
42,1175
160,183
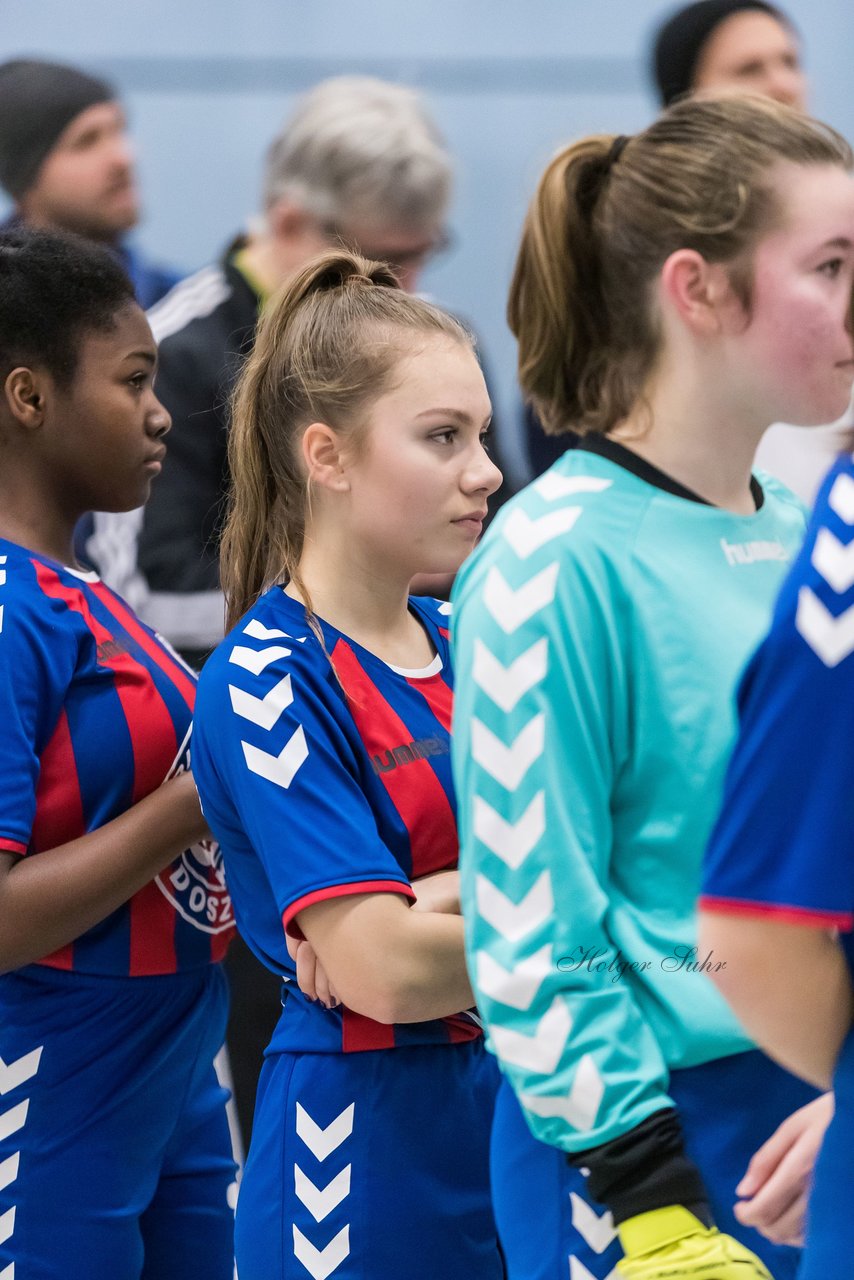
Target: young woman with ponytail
x,y
675,293
321,753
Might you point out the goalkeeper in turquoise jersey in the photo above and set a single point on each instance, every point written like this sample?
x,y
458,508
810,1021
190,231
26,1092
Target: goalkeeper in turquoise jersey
x,y
675,293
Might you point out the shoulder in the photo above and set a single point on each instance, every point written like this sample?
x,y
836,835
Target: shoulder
x,y
205,308
34,608
782,501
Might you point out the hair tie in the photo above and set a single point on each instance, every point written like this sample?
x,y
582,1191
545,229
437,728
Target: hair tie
x,y
618,146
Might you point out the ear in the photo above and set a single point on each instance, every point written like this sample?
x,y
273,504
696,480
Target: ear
x,y
698,291
24,395
289,222
323,456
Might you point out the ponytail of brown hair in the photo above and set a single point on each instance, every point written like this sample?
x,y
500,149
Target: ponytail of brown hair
x,y
326,348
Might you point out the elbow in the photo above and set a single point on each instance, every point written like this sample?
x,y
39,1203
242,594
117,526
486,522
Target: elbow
x,y
383,997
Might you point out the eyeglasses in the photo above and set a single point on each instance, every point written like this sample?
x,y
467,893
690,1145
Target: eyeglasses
x,y
398,258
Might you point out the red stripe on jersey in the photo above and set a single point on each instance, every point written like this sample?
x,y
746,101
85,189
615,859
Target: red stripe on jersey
x,y
339,891
359,1033
461,1029
152,733
176,672
12,846
439,697
414,790
59,804
787,914
152,933
445,633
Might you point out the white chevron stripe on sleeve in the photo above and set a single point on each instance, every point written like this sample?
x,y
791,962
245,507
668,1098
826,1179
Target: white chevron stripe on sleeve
x,y
508,764
578,1271
511,842
511,609
321,1203
540,1052
506,685
580,1107
13,1119
264,712
7,1224
320,1263
322,1142
834,561
257,660
841,498
552,486
280,769
526,536
830,638
258,631
8,1273
598,1231
22,1069
515,920
9,1170
514,987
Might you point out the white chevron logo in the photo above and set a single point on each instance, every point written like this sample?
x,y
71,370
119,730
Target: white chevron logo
x,y
597,1231
508,765
446,608
320,1263
834,560
8,1273
580,1106
322,1142
552,485
14,1119
18,1072
527,536
514,987
511,609
540,1052
832,639
506,685
510,841
321,1203
7,1224
842,498
264,711
514,920
282,768
256,660
9,1170
258,631
578,1271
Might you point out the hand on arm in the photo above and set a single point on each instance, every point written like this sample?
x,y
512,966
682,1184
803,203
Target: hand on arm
x,y
48,900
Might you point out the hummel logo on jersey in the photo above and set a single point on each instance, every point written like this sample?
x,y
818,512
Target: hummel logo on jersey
x,y
407,753
751,552
108,649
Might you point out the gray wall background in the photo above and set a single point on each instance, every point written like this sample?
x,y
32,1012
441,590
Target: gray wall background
x,y
208,82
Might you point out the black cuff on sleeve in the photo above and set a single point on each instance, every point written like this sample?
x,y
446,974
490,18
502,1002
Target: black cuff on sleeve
x,y
645,1169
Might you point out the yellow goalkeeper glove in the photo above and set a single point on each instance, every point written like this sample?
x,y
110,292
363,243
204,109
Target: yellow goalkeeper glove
x,y
672,1244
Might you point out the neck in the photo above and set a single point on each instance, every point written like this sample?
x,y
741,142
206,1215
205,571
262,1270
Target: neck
x,y
264,263
366,601
686,428
37,526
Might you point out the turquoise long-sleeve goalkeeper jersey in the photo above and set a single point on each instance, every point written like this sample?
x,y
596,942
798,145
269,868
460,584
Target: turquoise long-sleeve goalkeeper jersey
x,y
600,631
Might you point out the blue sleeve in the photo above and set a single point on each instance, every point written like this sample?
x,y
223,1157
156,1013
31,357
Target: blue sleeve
x,y
784,841
36,666
277,772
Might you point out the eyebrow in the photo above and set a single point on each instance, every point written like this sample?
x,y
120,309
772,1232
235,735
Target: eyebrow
x,y
838,242
148,356
457,415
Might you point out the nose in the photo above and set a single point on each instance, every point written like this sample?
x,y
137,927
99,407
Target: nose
x,y
158,419
787,85
482,475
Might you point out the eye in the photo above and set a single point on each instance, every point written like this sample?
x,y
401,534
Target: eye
x,y
831,268
139,380
447,435
486,439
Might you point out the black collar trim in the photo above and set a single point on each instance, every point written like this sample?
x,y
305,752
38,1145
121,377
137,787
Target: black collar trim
x,y
623,457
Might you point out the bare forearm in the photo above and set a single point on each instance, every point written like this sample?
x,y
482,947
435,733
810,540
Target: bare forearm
x,y
790,987
49,899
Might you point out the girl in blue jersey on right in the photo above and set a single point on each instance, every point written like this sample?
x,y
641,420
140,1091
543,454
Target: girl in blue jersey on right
x,y
675,293
321,753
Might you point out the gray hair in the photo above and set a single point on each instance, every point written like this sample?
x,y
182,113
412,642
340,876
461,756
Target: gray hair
x,y
357,148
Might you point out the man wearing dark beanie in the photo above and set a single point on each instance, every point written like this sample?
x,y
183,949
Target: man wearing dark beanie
x,y
66,161
727,46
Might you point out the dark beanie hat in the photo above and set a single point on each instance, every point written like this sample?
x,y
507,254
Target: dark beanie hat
x,y
680,41
37,101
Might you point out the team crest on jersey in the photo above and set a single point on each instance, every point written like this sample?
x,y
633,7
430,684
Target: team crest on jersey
x,y
195,881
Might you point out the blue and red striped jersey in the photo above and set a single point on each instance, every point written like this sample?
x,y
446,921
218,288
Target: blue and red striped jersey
x,y
784,842
323,774
96,713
